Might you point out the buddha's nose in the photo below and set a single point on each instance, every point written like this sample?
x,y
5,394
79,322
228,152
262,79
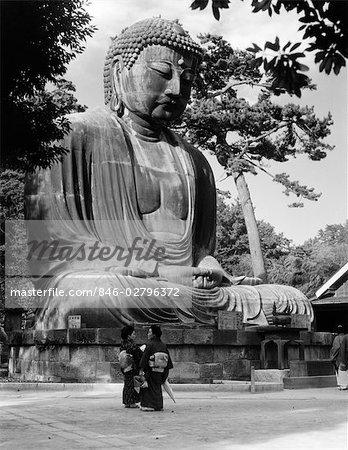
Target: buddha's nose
x,y
173,87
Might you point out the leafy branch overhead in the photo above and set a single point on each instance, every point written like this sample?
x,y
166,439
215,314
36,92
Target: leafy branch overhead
x,y
283,67
216,6
39,39
245,136
295,187
43,122
325,30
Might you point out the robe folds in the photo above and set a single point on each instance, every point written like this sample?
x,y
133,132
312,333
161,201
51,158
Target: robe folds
x,y
89,201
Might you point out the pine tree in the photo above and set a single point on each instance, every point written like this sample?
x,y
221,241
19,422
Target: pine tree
x,y
244,135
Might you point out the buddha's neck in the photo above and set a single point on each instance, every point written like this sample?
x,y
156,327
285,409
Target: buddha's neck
x,y
143,128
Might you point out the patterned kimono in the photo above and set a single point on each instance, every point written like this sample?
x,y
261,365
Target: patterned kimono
x,y
151,397
130,396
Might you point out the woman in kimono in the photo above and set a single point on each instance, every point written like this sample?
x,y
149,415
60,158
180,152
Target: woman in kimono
x,y
154,365
130,355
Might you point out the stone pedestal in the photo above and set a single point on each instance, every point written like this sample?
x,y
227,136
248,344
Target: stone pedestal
x,y
311,368
200,354
91,354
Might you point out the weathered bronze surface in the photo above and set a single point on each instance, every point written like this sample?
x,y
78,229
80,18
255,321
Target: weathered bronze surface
x,y
130,183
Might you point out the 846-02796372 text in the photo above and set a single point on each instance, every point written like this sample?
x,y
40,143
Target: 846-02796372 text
x,y
140,292
99,291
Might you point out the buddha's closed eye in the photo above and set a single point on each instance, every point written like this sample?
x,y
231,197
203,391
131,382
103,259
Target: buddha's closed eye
x,y
161,68
165,69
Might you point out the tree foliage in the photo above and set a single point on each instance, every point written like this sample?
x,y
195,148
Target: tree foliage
x,y
232,245
306,267
12,209
244,135
55,103
11,195
43,122
310,265
38,40
325,31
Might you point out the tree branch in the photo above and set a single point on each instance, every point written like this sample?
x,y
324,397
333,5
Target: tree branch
x,y
232,84
267,133
260,168
247,142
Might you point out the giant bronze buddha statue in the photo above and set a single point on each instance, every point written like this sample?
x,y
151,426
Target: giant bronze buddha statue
x,y
132,206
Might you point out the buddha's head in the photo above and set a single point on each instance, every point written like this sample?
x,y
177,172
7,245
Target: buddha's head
x,y
149,70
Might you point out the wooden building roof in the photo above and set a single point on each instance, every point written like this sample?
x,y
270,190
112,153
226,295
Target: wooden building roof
x,y
335,290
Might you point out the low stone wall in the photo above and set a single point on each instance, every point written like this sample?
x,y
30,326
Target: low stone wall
x,y
321,367
317,345
200,355
91,355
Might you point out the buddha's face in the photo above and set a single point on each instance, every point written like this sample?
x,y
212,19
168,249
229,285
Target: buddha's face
x,y
158,85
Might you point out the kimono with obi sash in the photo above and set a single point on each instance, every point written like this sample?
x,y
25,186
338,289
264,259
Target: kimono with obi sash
x,y
151,363
129,395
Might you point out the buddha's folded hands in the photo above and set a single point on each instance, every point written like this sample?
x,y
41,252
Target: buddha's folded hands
x,y
197,277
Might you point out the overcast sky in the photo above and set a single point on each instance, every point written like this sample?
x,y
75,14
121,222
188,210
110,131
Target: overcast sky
x,y
241,27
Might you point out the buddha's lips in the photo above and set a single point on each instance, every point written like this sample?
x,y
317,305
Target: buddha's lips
x,y
168,101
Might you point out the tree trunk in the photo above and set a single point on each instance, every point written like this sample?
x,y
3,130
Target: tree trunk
x,y
257,260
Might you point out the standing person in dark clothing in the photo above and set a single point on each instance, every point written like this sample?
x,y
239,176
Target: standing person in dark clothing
x,y
335,350
130,355
343,367
155,365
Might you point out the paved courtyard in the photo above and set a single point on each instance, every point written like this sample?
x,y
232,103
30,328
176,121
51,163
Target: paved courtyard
x,y
302,419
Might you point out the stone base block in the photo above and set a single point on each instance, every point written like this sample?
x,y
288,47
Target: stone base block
x,y
47,379
185,370
239,369
317,337
211,371
3,372
271,375
268,387
310,382
311,368
315,352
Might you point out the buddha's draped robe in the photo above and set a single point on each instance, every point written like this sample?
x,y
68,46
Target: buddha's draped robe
x,y
91,197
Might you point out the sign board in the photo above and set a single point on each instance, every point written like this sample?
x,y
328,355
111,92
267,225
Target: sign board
x,y
300,321
74,321
230,320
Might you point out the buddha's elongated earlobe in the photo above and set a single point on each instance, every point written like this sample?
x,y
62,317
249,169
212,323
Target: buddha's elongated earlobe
x,y
116,103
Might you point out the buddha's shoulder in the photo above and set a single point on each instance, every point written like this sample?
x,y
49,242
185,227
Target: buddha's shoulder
x,y
100,118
